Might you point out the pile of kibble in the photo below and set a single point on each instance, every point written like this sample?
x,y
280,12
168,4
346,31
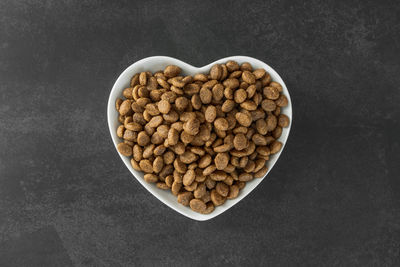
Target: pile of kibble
x,y
203,136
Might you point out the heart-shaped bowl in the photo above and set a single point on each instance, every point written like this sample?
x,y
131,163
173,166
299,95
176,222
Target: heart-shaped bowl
x,y
157,63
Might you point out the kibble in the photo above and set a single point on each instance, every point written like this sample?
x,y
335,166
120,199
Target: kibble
x,y
202,136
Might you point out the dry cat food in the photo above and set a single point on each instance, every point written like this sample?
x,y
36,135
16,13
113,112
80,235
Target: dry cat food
x,y
203,136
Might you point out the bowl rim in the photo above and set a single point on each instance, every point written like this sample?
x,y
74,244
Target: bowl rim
x,y
186,211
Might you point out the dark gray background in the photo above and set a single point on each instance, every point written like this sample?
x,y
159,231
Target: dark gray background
x,y
66,198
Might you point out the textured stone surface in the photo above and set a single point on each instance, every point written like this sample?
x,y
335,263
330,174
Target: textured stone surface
x,y
333,199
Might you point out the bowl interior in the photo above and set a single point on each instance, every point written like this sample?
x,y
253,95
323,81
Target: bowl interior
x,y
156,63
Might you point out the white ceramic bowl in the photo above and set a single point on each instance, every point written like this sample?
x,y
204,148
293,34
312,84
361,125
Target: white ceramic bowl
x,y
156,63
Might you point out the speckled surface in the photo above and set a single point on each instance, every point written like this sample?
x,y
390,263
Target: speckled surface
x,y
66,199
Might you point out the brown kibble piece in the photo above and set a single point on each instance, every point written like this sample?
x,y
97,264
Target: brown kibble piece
x,y
251,90
233,192
181,103
277,111
216,198
172,71
246,66
210,183
118,103
221,161
275,147
163,130
224,72
179,148
188,157
180,166
167,170
229,169
205,95
189,177
143,139
218,92
271,92
176,187
258,140
178,177
263,150
216,72
186,137
259,164
232,65
120,131
249,168
209,170
192,126
125,107
218,175
248,77
259,73
146,166
143,78
245,177
261,127
128,142
158,164
235,74
271,122
209,208
150,178
240,95
164,106
127,93
277,132
196,101
205,161
200,77
155,121
228,93
282,101
261,172
124,149
240,141
162,185
243,161
185,198
169,157
135,165
191,187
200,190
137,152
156,138
221,124
199,175
283,120
222,189
210,113
133,126
268,105
198,205
276,85
147,152
169,180
249,104
135,80
130,135
173,137
231,83
228,106
244,119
